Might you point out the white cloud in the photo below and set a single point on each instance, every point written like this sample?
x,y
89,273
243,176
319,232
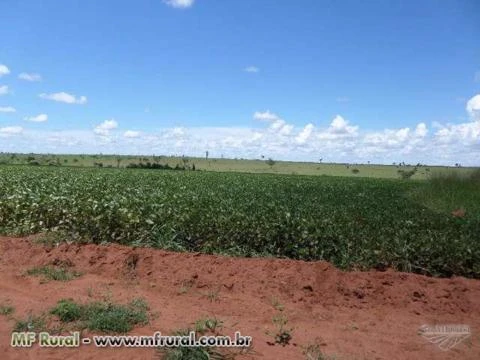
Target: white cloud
x,y
38,118
4,90
251,69
4,70
178,132
105,127
339,128
181,4
336,141
461,134
265,116
30,77
7,109
11,130
277,124
421,130
305,134
387,139
65,98
131,134
473,106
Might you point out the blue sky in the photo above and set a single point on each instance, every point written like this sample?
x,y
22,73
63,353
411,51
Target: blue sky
x,y
350,81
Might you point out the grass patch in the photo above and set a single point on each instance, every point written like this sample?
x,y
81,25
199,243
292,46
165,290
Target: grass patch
x,y
31,323
447,191
282,335
6,310
102,316
192,353
207,326
54,273
277,304
314,352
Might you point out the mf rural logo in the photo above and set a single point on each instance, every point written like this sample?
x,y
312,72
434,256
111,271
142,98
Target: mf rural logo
x,y
445,336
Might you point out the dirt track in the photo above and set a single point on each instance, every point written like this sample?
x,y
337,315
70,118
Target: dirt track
x,y
354,315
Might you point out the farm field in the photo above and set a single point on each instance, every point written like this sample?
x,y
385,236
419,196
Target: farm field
x,y
353,223
312,267
229,165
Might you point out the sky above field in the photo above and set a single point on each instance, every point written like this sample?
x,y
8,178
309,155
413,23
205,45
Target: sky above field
x,y
345,81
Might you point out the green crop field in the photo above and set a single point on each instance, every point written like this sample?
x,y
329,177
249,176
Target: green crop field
x,y
355,223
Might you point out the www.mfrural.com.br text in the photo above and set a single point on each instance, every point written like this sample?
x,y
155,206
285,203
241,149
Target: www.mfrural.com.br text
x,y
44,339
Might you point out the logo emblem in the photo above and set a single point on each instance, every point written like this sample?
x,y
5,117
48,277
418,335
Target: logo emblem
x,y
445,336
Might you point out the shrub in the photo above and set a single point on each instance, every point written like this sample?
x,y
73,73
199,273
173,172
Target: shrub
x,y
52,273
67,310
407,174
270,162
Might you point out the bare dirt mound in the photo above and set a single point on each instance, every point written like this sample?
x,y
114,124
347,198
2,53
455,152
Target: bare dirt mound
x,y
350,315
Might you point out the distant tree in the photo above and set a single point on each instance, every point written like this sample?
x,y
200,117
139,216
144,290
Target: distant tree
x,y
320,160
119,160
206,155
270,162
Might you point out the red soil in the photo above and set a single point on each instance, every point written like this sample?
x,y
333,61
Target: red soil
x,y
352,315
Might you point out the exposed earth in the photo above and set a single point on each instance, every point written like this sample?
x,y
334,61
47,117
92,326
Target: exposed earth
x,y
350,315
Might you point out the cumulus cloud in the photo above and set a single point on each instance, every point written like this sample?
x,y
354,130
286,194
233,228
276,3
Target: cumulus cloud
x,y
7,109
387,139
421,130
305,134
473,106
4,70
251,69
277,124
461,134
339,128
30,77
4,90
38,118
337,140
180,4
11,130
131,134
65,98
105,127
